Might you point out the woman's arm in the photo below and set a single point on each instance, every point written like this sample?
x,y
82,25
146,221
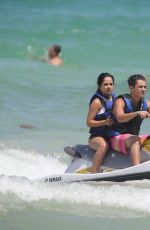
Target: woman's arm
x,y
94,108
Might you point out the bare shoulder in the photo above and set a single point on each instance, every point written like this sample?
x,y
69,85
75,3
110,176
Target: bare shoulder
x,y
94,107
119,102
96,102
118,107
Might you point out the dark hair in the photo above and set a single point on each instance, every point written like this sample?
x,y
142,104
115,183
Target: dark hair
x,y
57,48
132,80
101,78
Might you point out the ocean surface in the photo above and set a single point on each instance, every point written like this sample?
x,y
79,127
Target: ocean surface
x,y
44,108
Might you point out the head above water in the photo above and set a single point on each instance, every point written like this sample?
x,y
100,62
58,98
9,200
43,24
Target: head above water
x,y
132,80
54,51
101,78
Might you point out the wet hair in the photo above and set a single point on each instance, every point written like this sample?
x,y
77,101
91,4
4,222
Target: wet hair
x,y
57,48
132,80
101,78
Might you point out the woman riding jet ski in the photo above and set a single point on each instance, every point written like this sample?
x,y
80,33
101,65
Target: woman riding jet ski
x,y
129,110
99,119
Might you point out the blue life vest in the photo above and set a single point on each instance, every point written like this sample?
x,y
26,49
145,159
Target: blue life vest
x,y
132,126
107,104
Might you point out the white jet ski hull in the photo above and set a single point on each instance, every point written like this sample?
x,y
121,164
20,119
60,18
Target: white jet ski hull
x,y
83,157
138,172
116,166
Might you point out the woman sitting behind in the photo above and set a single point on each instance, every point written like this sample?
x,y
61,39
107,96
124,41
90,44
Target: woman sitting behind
x,y
99,118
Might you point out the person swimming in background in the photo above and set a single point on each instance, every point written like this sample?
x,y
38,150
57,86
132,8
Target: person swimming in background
x,y
53,55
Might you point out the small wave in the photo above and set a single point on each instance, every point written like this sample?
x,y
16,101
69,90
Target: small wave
x,y
111,200
19,188
28,164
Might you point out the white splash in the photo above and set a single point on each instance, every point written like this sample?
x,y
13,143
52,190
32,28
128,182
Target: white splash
x,y
28,164
18,188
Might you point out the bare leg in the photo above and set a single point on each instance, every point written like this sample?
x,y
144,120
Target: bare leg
x,y
101,146
132,143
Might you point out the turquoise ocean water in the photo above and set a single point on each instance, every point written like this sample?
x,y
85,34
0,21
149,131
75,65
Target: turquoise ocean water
x,y
96,36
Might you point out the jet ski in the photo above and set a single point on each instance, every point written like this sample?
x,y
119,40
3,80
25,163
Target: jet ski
x,y
116,166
